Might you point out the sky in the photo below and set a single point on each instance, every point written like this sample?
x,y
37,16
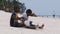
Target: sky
x,y
43,7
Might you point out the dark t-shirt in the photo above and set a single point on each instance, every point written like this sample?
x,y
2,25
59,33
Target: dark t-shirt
x,y
15,24
12,19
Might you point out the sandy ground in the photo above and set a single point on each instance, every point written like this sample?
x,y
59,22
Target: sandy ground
x,y
52,25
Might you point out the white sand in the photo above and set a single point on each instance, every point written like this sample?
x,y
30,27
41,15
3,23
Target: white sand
x,y
52,25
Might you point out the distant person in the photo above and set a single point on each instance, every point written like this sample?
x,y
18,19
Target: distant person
x,y
54,16
14,18
29,24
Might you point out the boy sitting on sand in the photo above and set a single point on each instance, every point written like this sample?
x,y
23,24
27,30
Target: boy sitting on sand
x,y
14,18
29,24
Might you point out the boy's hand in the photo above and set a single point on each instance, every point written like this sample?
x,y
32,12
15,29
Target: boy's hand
x,y
22,19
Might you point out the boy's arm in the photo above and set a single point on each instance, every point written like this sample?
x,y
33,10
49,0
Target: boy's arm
x,y
34,15
15,17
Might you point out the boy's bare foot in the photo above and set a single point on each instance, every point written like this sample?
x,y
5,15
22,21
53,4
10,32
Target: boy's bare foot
x,y
41,27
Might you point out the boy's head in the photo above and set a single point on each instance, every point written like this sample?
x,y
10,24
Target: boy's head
x,y
16,8
28,12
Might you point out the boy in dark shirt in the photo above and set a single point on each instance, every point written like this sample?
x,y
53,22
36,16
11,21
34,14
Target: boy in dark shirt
x,y
14,18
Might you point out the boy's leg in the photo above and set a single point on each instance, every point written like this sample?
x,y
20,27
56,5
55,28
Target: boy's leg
x,y
32,26
29,24
36,26
16,24
20,25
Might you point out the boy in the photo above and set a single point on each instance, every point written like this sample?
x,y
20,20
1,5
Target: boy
x,y
14,18
29,24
